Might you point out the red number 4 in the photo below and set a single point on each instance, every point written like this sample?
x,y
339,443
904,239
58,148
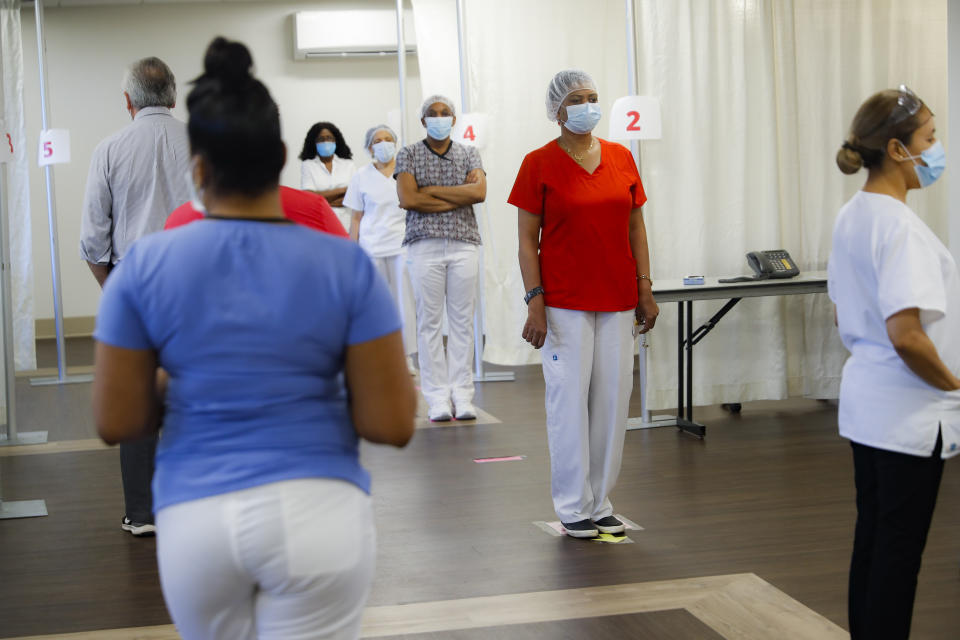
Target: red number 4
x,y
10,143
633,126
469,134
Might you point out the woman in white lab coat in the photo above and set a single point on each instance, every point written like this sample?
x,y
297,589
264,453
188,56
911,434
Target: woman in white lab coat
x,y
327,166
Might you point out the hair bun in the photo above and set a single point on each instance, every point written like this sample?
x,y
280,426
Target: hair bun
x,y
849,158
227,60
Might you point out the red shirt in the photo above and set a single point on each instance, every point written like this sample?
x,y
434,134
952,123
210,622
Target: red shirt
x,y
585,258
302,207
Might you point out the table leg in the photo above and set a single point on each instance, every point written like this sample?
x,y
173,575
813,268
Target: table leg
x,y
680,377
685,379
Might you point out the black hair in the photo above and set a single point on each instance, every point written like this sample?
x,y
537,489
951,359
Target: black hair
x,y
234,123
310,142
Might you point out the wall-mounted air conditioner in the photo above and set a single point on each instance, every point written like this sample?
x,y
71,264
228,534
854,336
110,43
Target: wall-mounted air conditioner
x,y
350,32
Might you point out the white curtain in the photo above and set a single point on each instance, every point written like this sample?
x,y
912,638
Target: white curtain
x,y
757,96
18,187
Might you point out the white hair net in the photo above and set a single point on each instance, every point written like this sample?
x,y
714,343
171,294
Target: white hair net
x,y
372,131
433,100
562,85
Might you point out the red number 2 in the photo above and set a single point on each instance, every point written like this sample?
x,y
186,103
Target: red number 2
x,y
469,134
10,143
633,126
47,149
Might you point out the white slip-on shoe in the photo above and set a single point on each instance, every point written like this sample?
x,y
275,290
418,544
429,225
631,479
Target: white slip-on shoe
x,y
465,411
440,413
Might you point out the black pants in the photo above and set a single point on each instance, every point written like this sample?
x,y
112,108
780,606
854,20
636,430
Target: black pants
x,y
896,494
136,468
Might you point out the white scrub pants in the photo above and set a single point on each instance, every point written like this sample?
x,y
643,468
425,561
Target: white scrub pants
x,y
289,560
444,274
588,371
394,271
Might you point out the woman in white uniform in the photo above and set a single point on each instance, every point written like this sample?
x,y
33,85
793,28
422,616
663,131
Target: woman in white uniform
x,y
327,167
378,224
897,294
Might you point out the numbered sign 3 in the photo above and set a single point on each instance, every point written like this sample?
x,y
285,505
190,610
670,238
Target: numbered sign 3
x,y
54,147
6,144
635,118
471,129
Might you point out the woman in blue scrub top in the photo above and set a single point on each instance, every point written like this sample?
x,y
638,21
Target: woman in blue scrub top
x,y
283,349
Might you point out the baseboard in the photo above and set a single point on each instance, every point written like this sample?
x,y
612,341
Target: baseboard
x,y
76,327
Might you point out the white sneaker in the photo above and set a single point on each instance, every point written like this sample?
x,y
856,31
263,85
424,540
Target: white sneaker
x,y
410,366
439,414
466,411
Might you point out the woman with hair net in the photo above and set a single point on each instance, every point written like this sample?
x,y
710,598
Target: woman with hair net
x,y
378,223
438,182
586,271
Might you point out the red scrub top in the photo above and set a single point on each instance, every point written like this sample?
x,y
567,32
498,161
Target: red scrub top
x,y
585,258
302,207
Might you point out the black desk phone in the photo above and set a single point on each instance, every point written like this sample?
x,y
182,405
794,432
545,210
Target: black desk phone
x,y
772,264
768,264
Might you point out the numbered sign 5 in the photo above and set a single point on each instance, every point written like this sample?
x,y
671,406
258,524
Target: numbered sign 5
x,y
6,144
635,118
54,147
471,129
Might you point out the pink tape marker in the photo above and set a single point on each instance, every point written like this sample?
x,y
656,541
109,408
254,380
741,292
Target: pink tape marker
x,y
501,459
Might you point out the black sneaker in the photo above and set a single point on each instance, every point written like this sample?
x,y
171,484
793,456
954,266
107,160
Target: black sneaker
x,y
138,529
581,529
609,525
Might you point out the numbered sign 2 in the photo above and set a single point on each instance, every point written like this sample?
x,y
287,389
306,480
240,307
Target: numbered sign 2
x,y
471,129
6,144
635,118
54,147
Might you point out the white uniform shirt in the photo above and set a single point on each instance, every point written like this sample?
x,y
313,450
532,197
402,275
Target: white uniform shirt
x,y
384,222
315,177
884,260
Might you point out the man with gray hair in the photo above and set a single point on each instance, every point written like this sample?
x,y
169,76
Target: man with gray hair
x,y
137,177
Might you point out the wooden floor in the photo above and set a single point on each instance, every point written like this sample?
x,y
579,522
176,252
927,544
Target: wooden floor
x,y
758,517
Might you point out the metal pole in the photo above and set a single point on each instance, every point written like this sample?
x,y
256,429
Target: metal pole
x,y
18,508
62,377
480,210
635,149
402,73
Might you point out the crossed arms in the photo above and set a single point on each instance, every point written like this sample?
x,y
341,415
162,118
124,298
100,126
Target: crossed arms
x,y
441,199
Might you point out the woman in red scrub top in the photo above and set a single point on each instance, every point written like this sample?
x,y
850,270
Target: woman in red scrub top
x,y
586,270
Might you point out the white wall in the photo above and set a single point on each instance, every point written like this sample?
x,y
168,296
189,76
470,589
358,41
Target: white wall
x,y
87,51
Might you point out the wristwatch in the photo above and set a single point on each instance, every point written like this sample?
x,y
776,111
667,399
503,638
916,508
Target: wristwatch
x,y
533,293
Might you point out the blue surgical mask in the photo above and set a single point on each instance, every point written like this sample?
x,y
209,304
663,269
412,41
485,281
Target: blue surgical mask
x,y
384,151
582,118
326,149
439,128
936,160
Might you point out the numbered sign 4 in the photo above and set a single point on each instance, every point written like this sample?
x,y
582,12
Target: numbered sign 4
x,y
6,144
471,129
54,147
635,118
